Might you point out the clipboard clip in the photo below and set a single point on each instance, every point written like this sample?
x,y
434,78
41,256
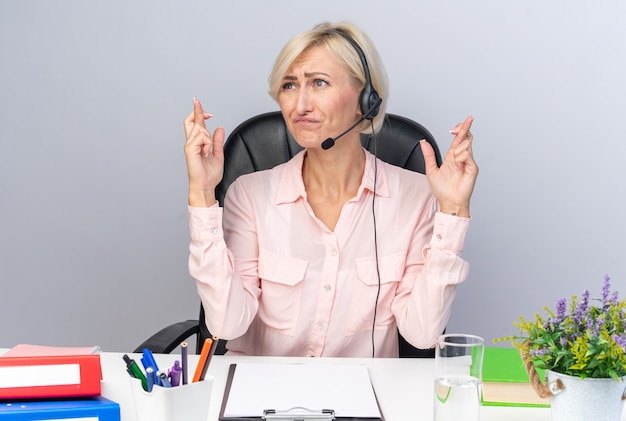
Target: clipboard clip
x,y
298,413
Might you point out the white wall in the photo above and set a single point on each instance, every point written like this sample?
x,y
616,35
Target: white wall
x,y
93,228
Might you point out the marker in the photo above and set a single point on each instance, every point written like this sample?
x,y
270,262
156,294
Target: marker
x,y
148,360
151,376
183,357
175,373
135,371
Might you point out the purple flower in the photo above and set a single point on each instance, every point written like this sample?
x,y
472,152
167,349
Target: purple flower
x,y
561,306
598,325
581,308
552,324
605,289
538,352
620,340
590,325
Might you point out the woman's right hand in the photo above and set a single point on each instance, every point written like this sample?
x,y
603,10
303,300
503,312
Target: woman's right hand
x,y
205,157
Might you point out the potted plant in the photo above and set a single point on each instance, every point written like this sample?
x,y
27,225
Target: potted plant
x,y
582,347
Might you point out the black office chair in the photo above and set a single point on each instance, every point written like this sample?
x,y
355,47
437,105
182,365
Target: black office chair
x,y
262,142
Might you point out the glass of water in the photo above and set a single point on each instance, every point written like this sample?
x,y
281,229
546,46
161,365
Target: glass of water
x,y
458,376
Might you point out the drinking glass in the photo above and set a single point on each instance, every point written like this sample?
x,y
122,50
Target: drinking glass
x,y
458,376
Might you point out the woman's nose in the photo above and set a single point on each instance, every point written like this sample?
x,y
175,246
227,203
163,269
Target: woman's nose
x,y
304,104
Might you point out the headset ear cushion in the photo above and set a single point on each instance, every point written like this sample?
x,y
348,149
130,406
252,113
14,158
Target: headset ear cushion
x,y
369,102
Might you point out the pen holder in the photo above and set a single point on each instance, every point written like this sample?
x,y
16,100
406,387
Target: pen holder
x,y
189,402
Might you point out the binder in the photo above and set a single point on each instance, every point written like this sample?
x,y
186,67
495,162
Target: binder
x,y
288,392
51,376
28,350
97,408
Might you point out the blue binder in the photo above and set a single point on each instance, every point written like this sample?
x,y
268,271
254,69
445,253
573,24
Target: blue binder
x,y
76,409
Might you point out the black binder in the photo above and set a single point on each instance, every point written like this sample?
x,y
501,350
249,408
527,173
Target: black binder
x,y
268,382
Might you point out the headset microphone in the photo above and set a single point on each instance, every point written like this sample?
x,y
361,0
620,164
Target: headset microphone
x,y
369,100
330,142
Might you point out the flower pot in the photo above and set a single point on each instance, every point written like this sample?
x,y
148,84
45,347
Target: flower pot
x,y
586,399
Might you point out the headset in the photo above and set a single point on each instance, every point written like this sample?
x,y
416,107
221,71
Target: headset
x,y
369,100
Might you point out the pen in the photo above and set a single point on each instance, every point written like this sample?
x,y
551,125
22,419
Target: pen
x,y
202,363
175,372
163,380
148,360
183,357
135,371
151,376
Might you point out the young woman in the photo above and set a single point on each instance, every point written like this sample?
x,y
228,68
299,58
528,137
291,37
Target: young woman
x,y
290,266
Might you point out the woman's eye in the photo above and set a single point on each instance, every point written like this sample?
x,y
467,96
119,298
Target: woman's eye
x,y
288,85
320,82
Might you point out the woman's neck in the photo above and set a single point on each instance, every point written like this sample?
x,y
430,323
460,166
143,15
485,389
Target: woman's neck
x,y
334,173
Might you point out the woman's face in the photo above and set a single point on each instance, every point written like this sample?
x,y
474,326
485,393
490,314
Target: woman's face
x,y
317,98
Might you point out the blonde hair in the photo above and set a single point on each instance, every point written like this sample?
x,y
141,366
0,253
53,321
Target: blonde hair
x,y
325,35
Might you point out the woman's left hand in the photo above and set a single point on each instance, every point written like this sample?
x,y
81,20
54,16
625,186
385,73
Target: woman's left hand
x,y
452,184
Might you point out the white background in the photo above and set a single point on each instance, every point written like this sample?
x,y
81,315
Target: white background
x,y
93,223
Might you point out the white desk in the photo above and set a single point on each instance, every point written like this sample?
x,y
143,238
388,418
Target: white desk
x,y
404,386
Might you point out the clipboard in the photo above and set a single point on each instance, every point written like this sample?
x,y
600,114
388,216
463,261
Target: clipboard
x,y
299,392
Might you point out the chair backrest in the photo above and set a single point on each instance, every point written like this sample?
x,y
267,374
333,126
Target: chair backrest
x,y
263,141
